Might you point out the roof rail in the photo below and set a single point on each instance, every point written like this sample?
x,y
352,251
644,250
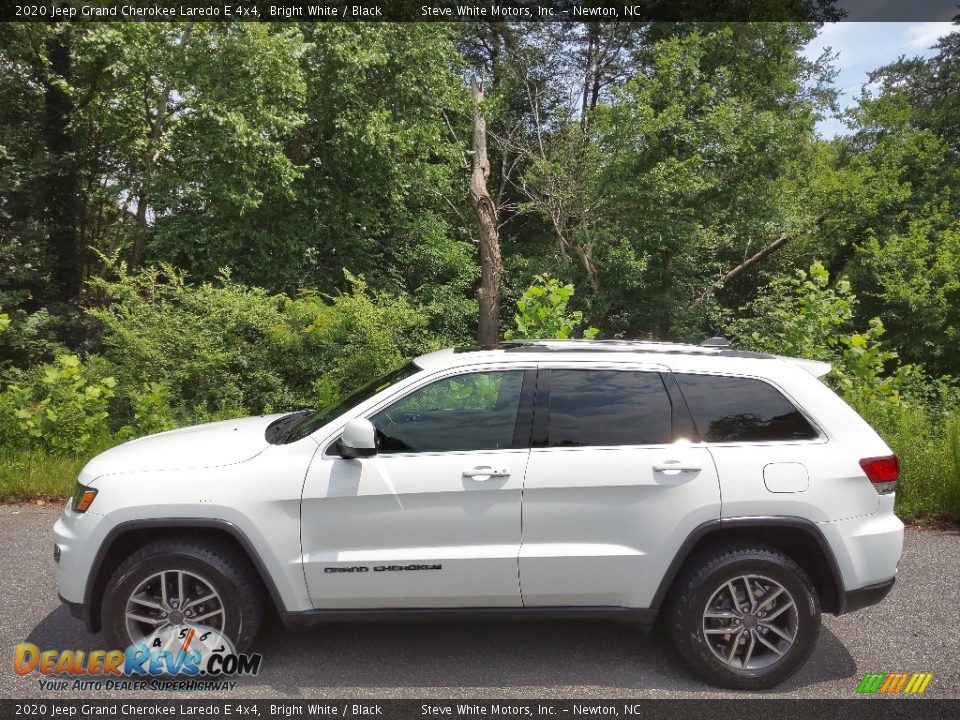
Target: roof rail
x,y
619,345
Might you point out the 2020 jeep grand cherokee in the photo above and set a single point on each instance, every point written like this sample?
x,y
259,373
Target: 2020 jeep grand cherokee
x,y
732,492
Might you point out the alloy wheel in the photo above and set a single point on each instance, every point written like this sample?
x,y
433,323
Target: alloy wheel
x,y
173,597
750,622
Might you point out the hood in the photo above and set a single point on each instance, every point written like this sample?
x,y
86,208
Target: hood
x,y
199,446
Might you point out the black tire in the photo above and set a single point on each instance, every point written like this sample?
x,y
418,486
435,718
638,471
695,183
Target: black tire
x,y
226,570
704,581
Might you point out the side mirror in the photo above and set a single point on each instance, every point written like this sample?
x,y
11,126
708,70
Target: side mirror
x,y
358,440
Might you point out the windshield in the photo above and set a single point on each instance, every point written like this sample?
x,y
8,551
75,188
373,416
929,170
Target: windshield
x,y
319,418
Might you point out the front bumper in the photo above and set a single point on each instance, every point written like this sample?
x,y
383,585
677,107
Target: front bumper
x,y
75,608
77,537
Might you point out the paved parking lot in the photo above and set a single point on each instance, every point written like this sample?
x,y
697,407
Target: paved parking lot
x,y
916,629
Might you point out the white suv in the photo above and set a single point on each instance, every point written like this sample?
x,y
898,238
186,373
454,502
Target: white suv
x,y
730,492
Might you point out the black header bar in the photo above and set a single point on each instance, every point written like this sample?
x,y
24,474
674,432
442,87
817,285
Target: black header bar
x,y
431,709
476,10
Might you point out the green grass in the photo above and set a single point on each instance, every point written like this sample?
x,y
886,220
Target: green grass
x,y
37,475
927,443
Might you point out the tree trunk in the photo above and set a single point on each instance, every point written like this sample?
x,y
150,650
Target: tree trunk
x,y
665,321
590,75
151,155
62,187
485,210
149,161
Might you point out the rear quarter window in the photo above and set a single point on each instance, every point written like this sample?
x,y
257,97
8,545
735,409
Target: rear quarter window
x,y
734,409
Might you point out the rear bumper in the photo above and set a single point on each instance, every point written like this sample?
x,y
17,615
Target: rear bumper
x,y
860,598
867,548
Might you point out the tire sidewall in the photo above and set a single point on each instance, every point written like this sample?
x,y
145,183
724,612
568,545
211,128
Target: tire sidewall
x,y
693,645
129,578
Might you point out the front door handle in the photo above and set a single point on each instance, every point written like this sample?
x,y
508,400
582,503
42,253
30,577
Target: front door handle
x,y
677,465
485,472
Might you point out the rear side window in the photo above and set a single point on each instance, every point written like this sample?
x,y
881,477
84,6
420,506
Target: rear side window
x,y
732,409
608,407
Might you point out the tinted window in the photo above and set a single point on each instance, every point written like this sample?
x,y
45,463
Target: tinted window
x,y
608,407
729,409
477,411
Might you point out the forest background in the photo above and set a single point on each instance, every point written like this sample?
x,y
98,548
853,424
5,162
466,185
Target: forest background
x,y
205,220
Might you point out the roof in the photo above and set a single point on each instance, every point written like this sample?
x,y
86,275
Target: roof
x,y
611,350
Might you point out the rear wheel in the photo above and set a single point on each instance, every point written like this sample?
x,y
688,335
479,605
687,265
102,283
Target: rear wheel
x,y
746,618
172,582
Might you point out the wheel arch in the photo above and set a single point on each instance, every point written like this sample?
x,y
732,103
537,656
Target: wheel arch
x,y
127,537
799,539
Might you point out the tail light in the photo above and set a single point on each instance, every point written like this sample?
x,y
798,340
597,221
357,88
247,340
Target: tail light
x,y
883,472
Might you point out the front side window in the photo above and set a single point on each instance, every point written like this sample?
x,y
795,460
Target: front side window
x,y
475,411
734,409
316,419
608,407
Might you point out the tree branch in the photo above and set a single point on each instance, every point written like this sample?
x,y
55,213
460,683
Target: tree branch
x,y
749,263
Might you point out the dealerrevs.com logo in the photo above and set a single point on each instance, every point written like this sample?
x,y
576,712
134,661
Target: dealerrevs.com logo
x,y
187,657
894,683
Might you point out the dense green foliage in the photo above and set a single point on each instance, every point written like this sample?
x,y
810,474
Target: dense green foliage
x,y
204,220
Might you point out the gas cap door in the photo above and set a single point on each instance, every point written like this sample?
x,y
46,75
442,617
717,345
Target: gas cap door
x,y
786,477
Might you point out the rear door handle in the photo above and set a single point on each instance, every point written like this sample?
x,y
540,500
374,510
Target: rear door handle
x,y
678,465
485,472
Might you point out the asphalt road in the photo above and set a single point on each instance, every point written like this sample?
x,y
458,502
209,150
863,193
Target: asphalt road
x,y
916,629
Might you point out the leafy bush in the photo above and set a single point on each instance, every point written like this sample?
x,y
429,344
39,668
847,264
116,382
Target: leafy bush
x,y
331,345
152,412
542,312
801,316
185,353
208,345
176,354
56,406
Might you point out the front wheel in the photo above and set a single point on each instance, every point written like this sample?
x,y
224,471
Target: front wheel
x,y
173,582
746,618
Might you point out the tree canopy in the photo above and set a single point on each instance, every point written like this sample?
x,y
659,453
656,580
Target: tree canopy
x,y
667,170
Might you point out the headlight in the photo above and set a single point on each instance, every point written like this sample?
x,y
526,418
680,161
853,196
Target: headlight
x,y
82,497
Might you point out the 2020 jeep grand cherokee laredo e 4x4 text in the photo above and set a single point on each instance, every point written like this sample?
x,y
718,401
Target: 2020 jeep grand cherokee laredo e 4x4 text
x,y
731,492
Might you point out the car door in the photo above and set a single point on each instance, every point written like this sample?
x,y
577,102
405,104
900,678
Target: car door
x,y
613,487
433,519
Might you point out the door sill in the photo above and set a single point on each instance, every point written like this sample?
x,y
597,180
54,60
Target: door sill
x,y
459,614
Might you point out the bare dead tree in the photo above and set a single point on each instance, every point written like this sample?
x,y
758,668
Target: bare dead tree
x,y
485,210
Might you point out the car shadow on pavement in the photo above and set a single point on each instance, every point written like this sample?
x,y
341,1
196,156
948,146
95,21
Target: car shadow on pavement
x,y
483,655
503,655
